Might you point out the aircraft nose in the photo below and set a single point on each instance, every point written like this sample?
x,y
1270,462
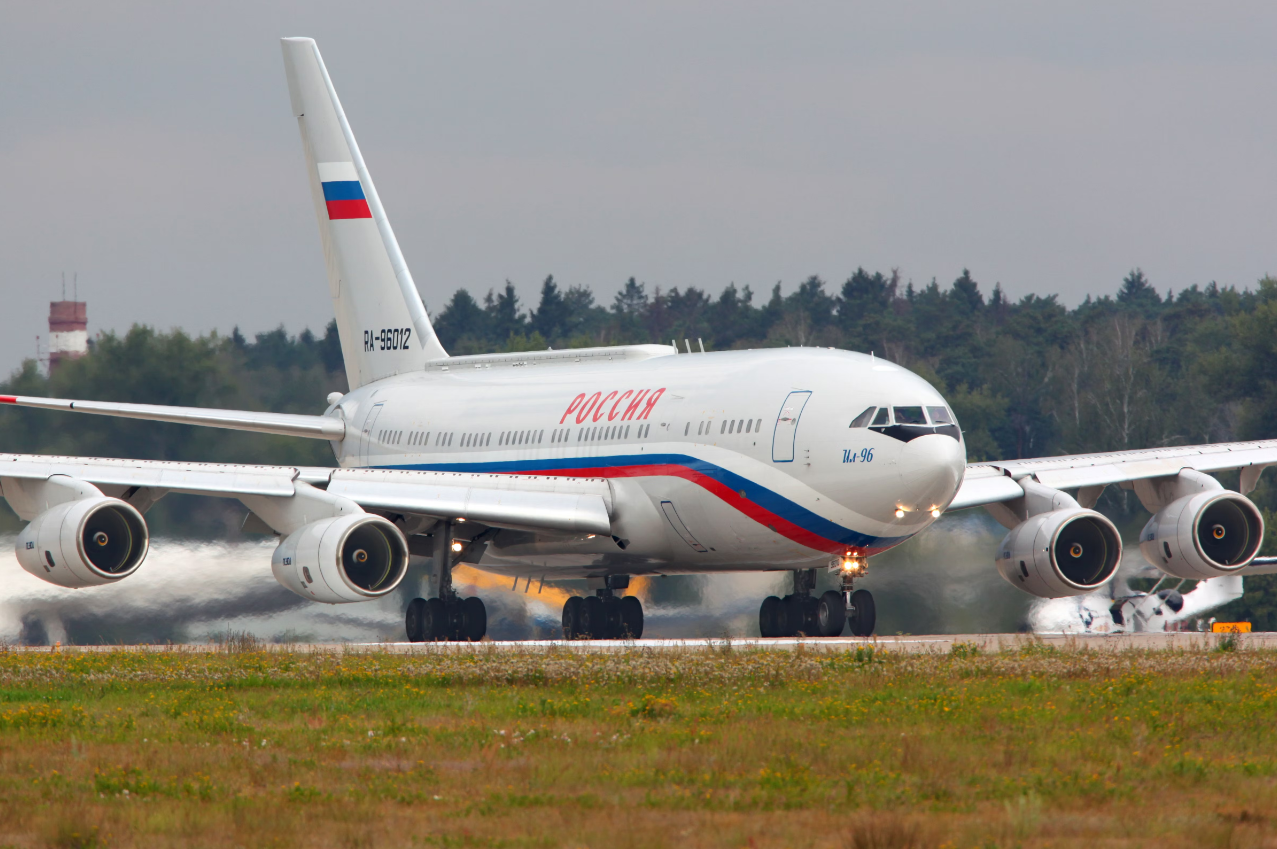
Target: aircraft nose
x,y
931,469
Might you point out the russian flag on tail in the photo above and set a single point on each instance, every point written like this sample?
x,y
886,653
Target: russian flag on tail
x,y
343,194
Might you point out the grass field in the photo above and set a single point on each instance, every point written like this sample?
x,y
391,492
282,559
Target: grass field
x,y
1034,746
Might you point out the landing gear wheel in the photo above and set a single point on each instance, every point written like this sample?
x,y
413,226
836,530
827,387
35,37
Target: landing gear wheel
x,y
434,620
631,618
593,618
474,619
864,616
769,618
801,610
572,618
612,616
831,614
414,622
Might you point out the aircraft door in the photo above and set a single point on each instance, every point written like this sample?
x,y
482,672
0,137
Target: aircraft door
x,y
366,437
787,426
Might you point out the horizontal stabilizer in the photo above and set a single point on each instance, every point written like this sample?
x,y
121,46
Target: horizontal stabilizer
x,y
281,424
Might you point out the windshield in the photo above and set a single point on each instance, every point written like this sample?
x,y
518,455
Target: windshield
x,y
940,415
863,419
909,415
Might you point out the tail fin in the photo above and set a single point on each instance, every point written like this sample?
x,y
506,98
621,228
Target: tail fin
x,y
382,323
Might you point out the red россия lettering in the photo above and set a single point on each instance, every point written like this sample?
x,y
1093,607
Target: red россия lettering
x,y
576,402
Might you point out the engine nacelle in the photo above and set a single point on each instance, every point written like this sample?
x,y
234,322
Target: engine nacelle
x,y
355,557
84,543
1204,535
1061,553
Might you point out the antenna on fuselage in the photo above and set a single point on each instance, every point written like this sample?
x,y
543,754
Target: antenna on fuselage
x,y
702,344
675,344
688,344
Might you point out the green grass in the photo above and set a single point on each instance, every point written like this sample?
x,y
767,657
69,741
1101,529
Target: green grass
x,y
1036,746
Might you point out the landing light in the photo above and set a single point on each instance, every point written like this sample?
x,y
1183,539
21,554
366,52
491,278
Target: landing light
x,y
900,514
456,546
935,514
852,565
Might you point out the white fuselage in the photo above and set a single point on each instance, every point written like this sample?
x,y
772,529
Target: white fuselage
x,y
739,460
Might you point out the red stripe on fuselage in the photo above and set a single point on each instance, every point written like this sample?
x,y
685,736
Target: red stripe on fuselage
x,y
357,208
733,499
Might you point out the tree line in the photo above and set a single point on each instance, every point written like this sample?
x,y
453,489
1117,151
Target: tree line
x,y
1027,377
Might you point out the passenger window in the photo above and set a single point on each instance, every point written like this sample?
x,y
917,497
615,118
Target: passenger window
x,y
940,415
883,418
863,419
910,416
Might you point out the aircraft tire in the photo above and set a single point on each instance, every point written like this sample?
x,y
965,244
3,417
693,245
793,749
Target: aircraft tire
x,y
631,618
434,620
769,618
613,627
474,619
801,610
572,618
413,620
865,617
831,614
593,618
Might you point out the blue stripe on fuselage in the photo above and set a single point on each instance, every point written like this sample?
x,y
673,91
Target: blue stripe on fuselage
x,y
767,499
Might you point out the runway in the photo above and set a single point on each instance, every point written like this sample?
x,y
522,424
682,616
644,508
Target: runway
x,y
934,644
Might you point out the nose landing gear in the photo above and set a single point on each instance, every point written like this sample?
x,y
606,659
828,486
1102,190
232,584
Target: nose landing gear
x,y
799,614
604,615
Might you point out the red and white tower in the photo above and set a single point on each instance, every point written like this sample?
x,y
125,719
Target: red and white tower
x,y
68,331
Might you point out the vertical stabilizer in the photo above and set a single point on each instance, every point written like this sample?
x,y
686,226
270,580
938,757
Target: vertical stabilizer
x,y
383,325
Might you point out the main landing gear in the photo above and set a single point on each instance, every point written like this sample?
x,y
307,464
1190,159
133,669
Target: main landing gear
x,y
801,614
449,616
604,615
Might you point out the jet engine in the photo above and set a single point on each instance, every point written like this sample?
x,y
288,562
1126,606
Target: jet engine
x,y
1203,535
353,557
1060,553
84,543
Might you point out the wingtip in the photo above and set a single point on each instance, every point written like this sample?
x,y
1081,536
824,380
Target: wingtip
x,y
8,399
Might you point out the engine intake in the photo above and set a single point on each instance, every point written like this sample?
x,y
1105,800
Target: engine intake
x,y
1060,553
84,543
355,557
1204,535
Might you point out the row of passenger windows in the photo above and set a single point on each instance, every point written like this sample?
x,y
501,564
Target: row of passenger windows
x,y
725,427
415,437
881,416
513,437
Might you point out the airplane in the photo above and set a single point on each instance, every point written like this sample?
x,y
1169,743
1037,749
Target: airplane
x,y
607,463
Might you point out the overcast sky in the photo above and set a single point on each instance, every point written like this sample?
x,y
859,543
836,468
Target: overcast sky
x,y
1049,147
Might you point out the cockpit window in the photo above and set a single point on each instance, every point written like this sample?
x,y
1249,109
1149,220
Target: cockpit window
x,y
909,415
862,420
940,415
882,417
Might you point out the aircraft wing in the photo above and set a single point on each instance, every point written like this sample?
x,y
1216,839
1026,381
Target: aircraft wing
x,y
994,482
521,502
283,424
